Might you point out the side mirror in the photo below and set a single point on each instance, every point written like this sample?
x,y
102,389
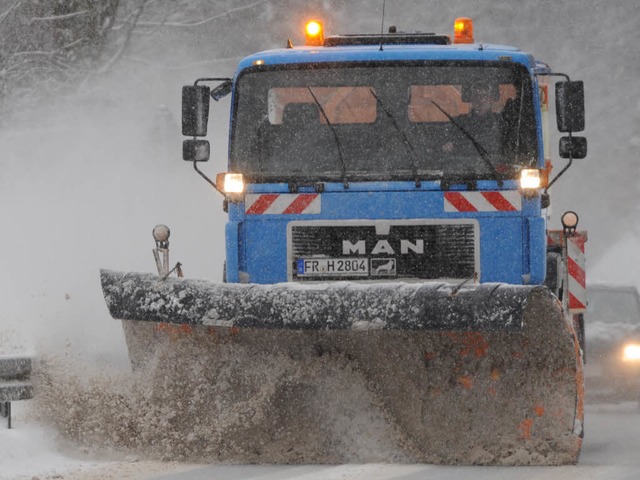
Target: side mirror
x,y
573,147
195,150
570,106
195,110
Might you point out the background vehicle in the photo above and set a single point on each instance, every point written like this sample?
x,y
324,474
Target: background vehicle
x,y
613,355
355,231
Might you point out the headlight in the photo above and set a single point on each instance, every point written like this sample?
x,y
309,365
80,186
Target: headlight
x,y
530,179
233,183
631,352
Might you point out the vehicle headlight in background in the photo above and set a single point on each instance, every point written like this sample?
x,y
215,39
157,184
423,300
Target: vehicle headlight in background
x,y
530,179
631,352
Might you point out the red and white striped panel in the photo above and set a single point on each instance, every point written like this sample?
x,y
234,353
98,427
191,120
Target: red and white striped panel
x,y
576,265
282,203
507,201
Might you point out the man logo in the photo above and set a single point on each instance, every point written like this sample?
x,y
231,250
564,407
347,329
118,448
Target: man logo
x,y
383,247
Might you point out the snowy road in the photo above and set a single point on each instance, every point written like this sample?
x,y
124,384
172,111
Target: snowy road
x,y
611,452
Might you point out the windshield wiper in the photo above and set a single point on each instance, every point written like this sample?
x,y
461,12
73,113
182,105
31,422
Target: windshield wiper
x,y
414,155
345,183
481,150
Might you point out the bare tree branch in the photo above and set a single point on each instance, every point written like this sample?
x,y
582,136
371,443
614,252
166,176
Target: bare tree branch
x,y
108,65
5,14
202,22
126,20
58,17
157,27
142,61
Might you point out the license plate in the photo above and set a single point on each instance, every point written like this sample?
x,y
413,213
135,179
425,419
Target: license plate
x,y
332,267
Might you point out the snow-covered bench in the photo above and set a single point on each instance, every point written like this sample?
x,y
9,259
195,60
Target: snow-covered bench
x,y
14,383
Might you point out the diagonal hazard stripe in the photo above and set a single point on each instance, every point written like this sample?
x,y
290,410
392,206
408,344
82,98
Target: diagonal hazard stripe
x,y
579,242
300,203
576,272
499,201
262,204
574,303
458,202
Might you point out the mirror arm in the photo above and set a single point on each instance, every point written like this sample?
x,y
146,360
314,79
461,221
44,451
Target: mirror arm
x,y
202,174
554,74
195,84
559,174
214,92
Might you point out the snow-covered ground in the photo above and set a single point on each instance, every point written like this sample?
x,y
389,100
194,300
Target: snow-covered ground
x,y
29,451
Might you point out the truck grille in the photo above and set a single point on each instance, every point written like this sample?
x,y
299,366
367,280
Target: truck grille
x,y
407,249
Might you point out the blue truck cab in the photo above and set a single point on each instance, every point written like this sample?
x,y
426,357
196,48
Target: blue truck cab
x,y
395,157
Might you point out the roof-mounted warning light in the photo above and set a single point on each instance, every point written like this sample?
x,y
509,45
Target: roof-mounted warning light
x,y
314,33
463,30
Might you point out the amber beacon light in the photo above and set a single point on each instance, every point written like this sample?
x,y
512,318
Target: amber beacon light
x,y
463,30
314,33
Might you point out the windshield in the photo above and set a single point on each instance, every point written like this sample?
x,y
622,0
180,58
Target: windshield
x,y
384,122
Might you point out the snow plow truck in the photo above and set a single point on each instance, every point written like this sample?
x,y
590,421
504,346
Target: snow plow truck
x,y
387,198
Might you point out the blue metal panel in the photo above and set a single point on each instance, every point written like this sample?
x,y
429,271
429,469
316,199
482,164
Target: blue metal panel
x,y
373,204
537,249
504,236
531,206
231,265
266,249
390,53
501,245
402,186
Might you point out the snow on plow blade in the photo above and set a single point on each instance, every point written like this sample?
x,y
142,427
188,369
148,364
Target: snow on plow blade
x,y
333,306
487,374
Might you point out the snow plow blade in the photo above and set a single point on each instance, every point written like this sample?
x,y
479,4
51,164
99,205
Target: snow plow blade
x,y
486,374
333,306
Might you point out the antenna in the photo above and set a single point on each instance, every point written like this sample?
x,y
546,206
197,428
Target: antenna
x,y
382,25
